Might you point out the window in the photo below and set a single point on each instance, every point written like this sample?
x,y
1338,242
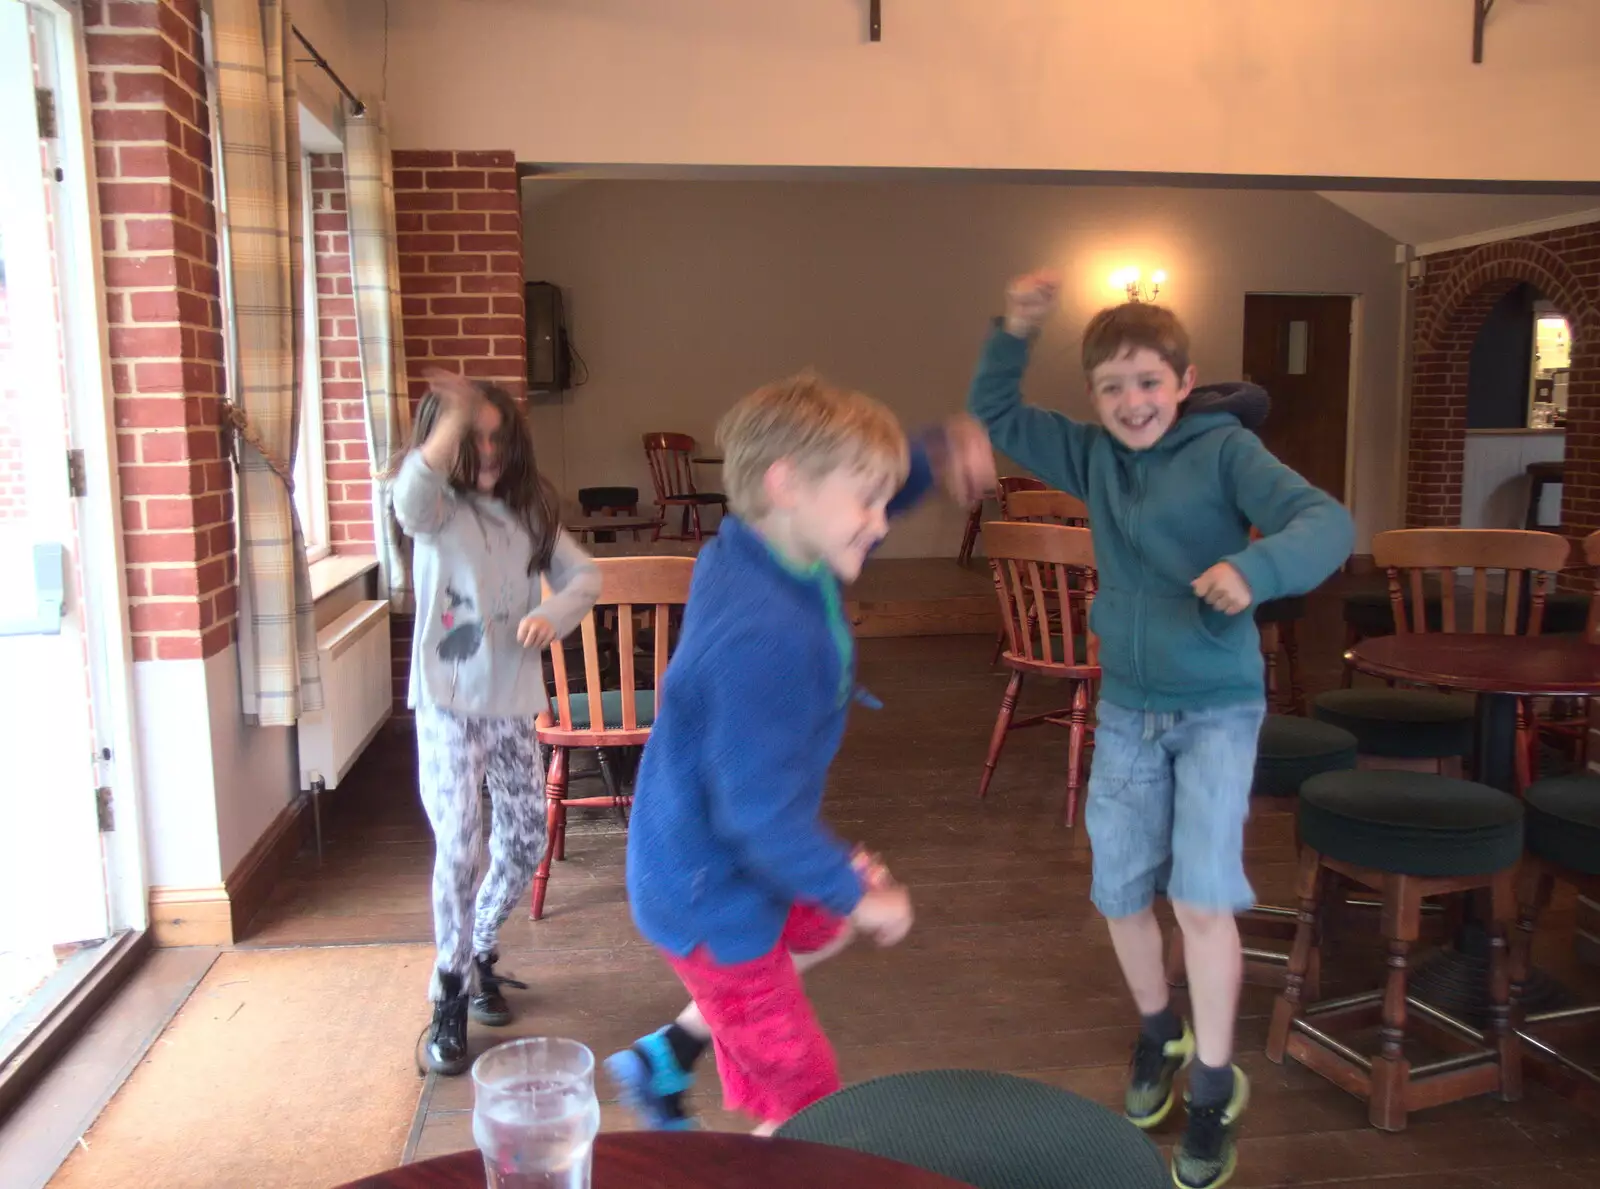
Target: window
x,y
310,469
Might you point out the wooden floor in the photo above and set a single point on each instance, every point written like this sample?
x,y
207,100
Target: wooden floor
x,y
1008,967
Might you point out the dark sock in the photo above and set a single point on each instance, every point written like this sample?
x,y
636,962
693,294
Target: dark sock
x,y
1163,1026
686,1047
1210,1085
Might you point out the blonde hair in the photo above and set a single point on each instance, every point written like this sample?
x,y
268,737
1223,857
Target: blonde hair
x,y
819,428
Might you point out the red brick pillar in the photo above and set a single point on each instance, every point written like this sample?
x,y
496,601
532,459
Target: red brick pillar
x,y
153,155
344,429
459,218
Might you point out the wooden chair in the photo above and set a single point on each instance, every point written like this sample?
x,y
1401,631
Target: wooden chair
x,y
1045,582
1570,730
1041,505
1004,486
1430,732
672,473
648,587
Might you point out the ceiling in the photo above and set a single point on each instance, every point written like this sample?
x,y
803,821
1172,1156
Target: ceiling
x,y
1424,219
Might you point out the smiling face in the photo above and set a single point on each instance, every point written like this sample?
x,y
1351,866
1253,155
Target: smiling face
x,y
1138,395
837,518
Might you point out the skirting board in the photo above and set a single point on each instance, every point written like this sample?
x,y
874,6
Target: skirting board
x,y
220,914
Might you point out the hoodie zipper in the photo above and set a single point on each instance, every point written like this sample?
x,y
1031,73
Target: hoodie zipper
x,y
1139,594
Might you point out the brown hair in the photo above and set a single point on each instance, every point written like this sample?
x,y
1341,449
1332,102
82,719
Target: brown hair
x,y
817,426
520,486
1116,330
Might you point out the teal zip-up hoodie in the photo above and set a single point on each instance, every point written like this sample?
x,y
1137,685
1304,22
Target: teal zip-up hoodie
x,y
1161,517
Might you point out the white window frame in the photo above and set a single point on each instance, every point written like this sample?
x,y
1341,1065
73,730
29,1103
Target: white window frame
x,y
310,460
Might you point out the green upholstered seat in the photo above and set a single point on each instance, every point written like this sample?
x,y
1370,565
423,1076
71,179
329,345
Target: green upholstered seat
x,y
1563,824
1411,823
989,1130
1293,750
1399,723
644,707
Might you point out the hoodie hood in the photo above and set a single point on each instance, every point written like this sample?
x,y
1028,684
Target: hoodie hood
x,y
1247,402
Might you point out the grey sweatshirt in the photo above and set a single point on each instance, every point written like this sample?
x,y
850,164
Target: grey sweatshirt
x,y
473,589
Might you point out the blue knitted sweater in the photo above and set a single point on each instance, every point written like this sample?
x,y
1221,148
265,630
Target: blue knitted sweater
x,y
726,833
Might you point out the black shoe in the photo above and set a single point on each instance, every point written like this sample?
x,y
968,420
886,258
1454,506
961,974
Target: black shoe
x,y
442,1048
488,1005
1208,1153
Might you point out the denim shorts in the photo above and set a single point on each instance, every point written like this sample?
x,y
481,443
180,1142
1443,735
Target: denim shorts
x,y
1168,797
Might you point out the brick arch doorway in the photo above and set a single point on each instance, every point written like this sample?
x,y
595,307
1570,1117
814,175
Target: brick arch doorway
x,y
1452,305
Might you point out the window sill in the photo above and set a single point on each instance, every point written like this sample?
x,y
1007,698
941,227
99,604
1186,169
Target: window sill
x,y
334,571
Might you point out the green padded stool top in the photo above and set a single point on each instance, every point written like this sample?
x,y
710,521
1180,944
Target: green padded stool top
x,y
1293,750
1411,823
1399,723
1564,611
644,709
991,1130
1564,821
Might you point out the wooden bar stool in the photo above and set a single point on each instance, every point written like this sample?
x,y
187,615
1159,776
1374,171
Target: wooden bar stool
x,y
1404,835
1563,843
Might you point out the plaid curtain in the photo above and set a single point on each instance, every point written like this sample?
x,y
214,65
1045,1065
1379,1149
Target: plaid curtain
x,y
375,263
258,122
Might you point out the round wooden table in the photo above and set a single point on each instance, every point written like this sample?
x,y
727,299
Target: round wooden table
x,y
689,1160
606,528
1500,669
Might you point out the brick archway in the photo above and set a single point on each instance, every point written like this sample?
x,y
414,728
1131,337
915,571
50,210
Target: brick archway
x,y
1451,305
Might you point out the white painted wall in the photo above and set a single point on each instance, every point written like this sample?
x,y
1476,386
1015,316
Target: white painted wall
x,y
212,784
1352,88
683,296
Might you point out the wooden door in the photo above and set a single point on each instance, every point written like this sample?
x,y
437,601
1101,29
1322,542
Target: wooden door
x,y
1297,347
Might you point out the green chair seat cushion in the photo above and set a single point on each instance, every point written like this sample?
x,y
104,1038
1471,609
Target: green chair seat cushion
x,y
1281,610
1564,821
1399,723
644,708
1411,823
989,1130
1293,750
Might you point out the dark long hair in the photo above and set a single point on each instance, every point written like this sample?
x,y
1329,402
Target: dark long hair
x,y
520,486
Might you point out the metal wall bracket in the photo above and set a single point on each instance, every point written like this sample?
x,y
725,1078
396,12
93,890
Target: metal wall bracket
x,y
1480,17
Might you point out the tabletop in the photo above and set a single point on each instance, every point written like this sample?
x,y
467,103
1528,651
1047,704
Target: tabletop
x,y
584,525
644,549
681,1160
1529,666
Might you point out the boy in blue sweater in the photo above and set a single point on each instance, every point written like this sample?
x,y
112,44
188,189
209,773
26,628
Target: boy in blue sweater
x,y
1174,480
731,872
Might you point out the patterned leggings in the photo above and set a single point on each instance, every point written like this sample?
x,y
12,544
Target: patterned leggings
x,y
454,754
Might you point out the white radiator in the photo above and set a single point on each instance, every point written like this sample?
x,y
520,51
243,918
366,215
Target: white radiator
x,y
357,693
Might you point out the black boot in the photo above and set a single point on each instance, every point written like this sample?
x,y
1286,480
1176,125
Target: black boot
x,y
488,1004
444,1046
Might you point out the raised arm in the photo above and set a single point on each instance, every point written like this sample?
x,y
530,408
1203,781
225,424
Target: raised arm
x,y
1049,444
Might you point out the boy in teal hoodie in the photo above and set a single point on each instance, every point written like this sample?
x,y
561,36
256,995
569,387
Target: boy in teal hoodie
x,y
1174,480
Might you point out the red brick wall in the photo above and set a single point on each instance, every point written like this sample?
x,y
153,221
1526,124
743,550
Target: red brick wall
x,y
153,155
1458,290
344,432
459,219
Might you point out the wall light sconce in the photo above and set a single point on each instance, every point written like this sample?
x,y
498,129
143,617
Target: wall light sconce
x,y
1132,283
